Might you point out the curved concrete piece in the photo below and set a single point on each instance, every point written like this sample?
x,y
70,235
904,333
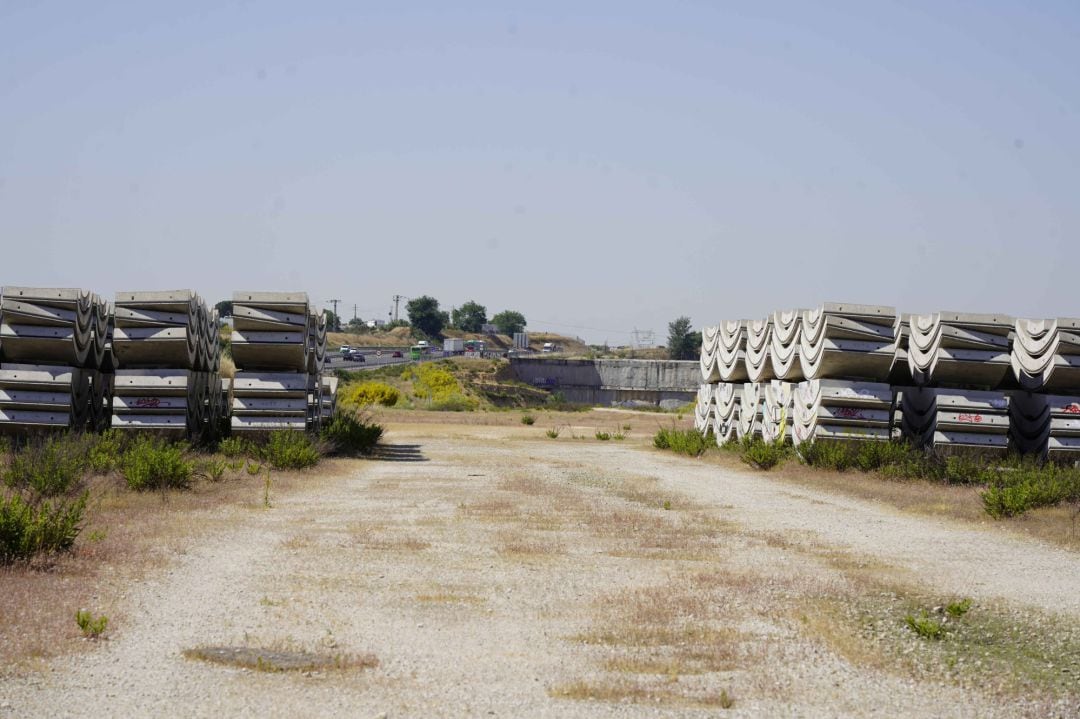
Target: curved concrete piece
x,y
749,419
758,340
844,341
777,409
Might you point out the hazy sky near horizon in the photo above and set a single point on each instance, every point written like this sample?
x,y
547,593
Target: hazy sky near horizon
x,y
598,166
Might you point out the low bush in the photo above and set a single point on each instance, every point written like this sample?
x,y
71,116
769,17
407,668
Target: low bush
x,y
28,530
350,435
455,403
233,447
528,419
1015,490
684,441
153,463
105,451
603,436
369,393
50,467
288,449
757,453
91,627
553,433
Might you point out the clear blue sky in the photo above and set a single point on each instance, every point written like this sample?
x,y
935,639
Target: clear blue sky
x,y
593,165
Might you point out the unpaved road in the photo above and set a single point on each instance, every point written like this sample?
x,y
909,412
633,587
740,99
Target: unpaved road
x,y
496,574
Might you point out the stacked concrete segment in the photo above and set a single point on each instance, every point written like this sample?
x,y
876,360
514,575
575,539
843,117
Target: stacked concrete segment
x,y
727,398
784,345
731,351
168,355
841,410
279,347
840,340
750,411
53,350
710,346
1045,354
328,400
759,366
777,409
959,349
705,407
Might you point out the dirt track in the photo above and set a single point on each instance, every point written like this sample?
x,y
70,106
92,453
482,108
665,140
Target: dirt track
x,y
496,573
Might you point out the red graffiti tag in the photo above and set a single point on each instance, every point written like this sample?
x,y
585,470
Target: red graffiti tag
x,y
148,402
1073,408
848,413
972,418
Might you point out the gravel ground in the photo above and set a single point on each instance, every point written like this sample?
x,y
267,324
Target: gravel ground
x,y
473,592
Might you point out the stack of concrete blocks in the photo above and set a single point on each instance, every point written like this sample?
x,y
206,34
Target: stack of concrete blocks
x,y
168,356
1045,360
776,411
727,397
274,385
784,343
846,352
758,341
710,358
751,411
328,401
956,362
828,409
705,407
53,347
317,328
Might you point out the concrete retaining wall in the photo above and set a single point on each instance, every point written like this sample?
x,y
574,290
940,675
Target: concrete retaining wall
x,y
606,381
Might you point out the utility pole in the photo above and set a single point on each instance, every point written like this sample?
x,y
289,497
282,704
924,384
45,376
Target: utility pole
x,y
337,319
354,312
397,300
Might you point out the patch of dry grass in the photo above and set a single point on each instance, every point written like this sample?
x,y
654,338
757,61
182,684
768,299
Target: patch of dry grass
x,y
642,691
281,660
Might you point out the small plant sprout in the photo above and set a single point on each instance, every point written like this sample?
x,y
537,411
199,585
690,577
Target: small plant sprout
x,y
925,626
266,490
603,436
528,419
958,609
553,433
91,627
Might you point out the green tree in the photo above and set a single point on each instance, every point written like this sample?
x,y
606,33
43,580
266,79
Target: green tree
x,y
425,315
357,326
224,308
509,322
682,343
333,322
470,317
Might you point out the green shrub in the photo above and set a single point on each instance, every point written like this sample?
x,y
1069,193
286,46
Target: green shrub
x,y
528,419
289,449
826,455
350,435
233,447
105,451
369,393
153,463
958,609
214,469
684,441
603,436
50,467
1016,490
925,626
553,433
91,628
757,453
455,403
27,530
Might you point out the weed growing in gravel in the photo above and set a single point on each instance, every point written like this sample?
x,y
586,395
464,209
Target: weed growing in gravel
x,y
280,660
925,626
105,451
958,609
553,433
528,419
603,436
234,447
253,468
91,627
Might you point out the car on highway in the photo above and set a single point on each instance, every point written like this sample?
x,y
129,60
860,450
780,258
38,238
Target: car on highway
x,y
355,356
344,350
396,354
